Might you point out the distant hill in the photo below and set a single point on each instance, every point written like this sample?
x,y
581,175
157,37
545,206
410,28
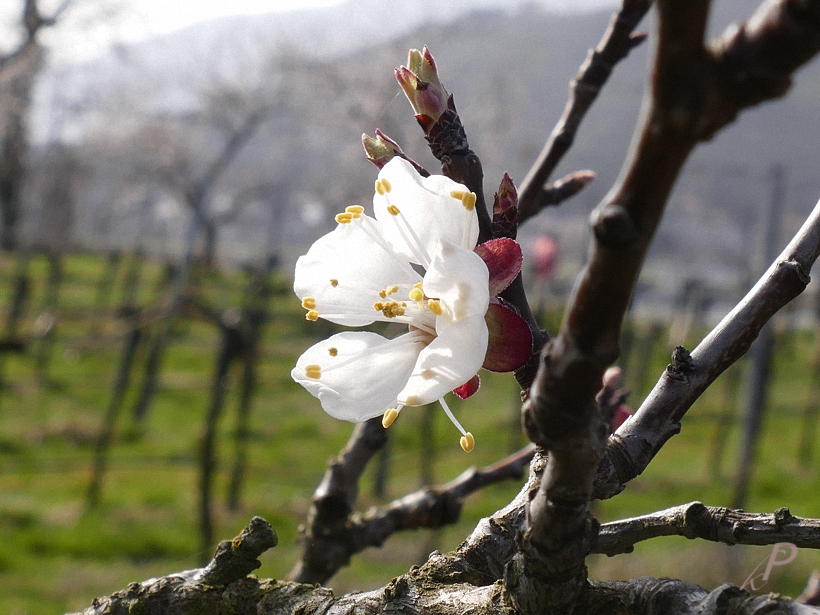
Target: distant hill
x,y
509,72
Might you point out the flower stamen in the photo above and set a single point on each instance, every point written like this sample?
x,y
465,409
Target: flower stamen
x,y
312,316
344,218
467,199
313,371
467,440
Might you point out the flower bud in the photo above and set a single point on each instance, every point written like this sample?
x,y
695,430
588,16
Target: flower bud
x,y
420,82
505,209
381,149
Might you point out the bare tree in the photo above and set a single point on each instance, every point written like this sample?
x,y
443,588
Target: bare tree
x,y
18,70
530,556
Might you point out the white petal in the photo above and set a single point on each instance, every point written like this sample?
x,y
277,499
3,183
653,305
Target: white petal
x,y
449,361
460,280
345,270
426,206
364,377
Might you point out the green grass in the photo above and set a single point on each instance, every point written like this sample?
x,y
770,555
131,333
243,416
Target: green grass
x,y
57,555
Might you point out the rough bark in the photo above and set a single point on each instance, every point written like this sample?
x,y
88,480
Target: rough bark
x,y
442,586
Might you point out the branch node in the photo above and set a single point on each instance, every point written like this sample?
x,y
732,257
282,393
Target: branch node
x,y
799,270
782,516
682,364
614,227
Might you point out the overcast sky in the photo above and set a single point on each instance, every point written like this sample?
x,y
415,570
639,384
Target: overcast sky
x,y
91,26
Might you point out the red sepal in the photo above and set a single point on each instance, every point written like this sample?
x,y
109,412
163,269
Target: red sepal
x,y
503,258
468,388
510,343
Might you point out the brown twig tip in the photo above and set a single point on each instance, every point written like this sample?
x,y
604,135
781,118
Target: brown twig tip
x,y
566,187
636,38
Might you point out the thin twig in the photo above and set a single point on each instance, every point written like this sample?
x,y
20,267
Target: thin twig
x,y
617,42
714,523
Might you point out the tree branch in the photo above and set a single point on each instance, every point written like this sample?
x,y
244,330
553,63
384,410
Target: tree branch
x,y
714,523
640,438
648,596
335,532
689,101
326,544
617,42
223,587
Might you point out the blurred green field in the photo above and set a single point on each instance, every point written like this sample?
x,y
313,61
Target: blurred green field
x,y
56,556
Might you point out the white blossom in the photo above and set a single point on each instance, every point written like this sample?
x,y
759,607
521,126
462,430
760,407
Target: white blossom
x,y
413,263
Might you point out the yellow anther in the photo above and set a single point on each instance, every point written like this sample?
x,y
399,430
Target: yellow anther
x,y
388,417
428,374
334,282
344,218
383,293
309,303
416,294
356,210
392,289
393,210
332,351
469,201
458,194
435,306
467,442
382,186
417,285
312,316
413,400
314,372
391,309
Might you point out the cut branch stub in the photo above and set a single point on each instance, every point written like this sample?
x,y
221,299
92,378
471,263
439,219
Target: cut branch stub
x,y
237,558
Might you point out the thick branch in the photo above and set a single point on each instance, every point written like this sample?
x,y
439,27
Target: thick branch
x,y
715,523
435,588
687,96
617,42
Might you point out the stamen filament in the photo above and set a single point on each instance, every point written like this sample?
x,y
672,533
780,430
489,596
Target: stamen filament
x,y
451,416
369,227
413,242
